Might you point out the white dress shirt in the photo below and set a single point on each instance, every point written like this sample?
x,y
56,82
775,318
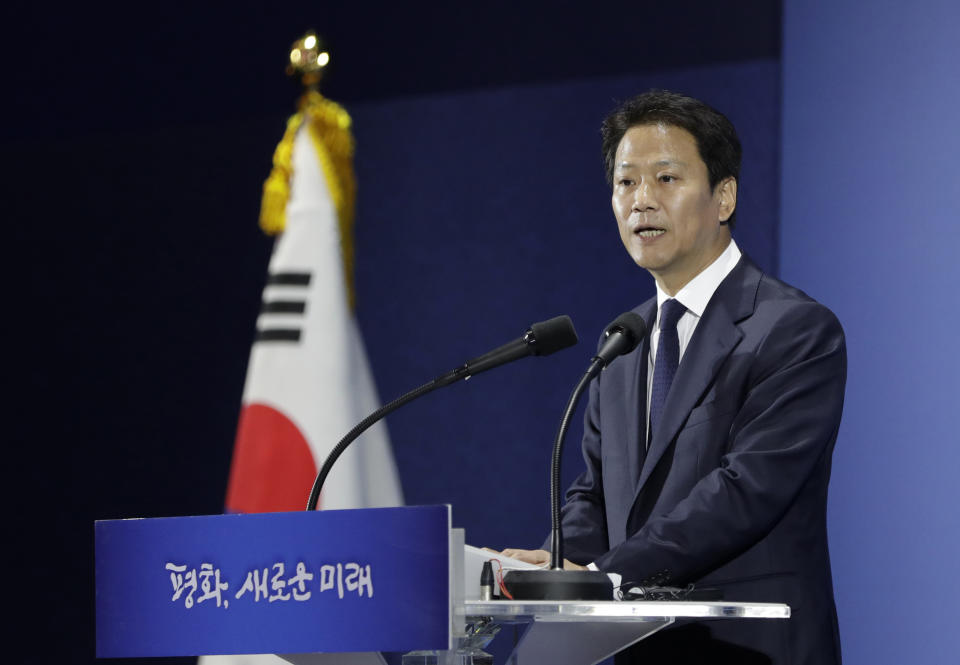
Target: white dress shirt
x,y
694,296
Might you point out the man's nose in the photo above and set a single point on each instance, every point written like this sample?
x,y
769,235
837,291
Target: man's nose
x,y
644,197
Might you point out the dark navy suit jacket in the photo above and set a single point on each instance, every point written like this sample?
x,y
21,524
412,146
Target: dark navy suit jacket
x,y
732,492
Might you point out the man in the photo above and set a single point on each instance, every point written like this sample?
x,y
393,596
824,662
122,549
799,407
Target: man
x,y
708,448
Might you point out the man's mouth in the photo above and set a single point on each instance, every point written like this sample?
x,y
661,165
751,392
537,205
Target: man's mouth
x,y
649,231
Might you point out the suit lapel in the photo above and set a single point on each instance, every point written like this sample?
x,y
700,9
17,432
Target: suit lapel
x,y
636,396
715,337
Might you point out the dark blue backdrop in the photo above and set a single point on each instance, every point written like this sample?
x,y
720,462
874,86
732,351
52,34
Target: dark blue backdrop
x,y
480,213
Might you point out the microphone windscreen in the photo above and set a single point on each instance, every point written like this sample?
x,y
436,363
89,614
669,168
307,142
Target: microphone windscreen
x,y
552,335
632,326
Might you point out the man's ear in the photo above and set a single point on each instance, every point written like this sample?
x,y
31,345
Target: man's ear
x,y
727,191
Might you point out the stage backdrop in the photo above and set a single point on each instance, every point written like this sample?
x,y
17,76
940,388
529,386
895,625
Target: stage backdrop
x,y
483,212
478,214
869,226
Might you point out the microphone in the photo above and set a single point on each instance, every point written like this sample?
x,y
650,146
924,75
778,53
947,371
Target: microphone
x,y
541,339
621,337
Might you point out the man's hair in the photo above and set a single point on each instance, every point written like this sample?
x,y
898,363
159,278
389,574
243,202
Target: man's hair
x,y
716,138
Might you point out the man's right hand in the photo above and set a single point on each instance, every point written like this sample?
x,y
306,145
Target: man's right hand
x,y
538,558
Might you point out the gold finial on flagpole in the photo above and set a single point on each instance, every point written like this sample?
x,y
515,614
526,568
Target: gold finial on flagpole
x,y
328,126
308,58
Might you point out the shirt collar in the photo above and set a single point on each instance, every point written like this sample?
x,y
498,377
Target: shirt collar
x,y
697,292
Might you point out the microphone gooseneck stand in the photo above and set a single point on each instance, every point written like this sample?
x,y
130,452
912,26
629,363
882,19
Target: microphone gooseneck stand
x,y
541,339
622,336
366,423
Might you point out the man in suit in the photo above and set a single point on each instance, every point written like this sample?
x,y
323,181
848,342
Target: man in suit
x,y
708,448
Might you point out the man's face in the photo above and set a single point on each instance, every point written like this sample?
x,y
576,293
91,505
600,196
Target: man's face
x,y
668,215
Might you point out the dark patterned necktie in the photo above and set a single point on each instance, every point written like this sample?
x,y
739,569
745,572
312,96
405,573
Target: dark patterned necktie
x,y
668,358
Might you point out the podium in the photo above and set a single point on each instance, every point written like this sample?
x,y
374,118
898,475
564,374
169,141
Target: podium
x,y
586,632
325,584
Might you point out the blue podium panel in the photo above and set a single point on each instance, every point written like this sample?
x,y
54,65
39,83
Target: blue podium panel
x,y
331,581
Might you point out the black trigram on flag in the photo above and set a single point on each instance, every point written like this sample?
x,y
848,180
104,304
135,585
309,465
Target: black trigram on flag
x,y
289,307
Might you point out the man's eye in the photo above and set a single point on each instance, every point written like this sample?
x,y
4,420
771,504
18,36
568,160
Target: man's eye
x,y
667,178
625,182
